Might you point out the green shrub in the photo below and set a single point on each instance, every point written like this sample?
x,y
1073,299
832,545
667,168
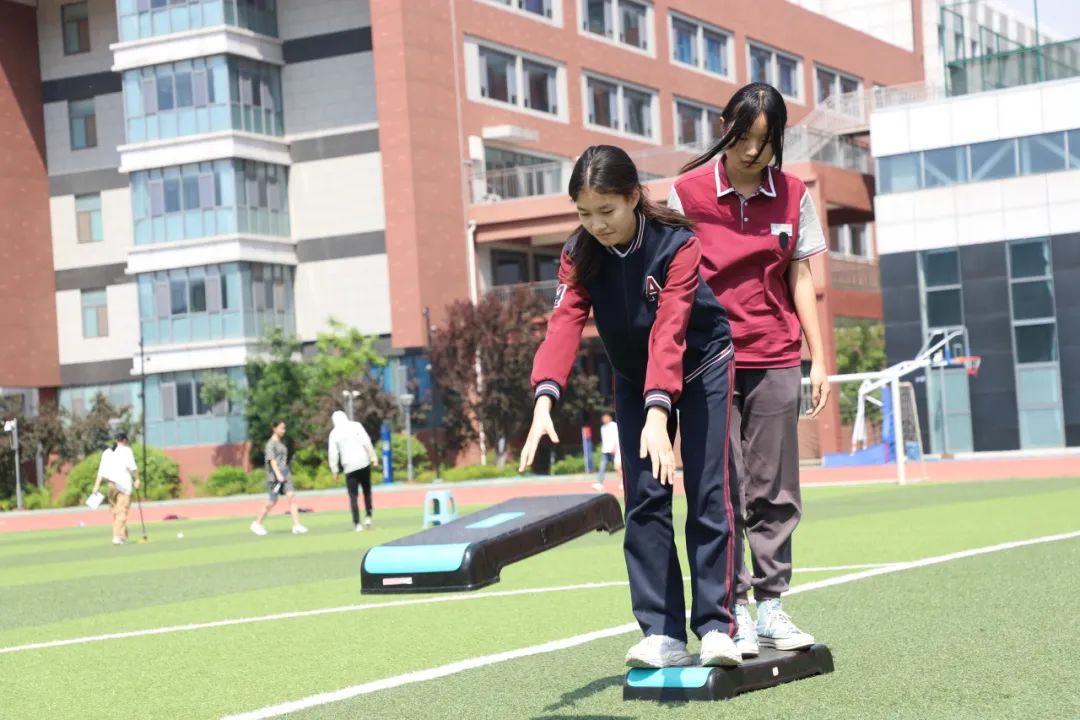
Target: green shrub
x,y
161,480
226,480
38,499
479,472
303,480
574,464
400,459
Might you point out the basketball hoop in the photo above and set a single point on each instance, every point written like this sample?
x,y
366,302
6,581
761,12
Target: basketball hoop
x,y
970,362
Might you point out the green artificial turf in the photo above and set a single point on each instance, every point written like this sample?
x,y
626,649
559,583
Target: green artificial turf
x,y
979,637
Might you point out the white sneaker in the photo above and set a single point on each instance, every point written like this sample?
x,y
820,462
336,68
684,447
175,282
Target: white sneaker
x,y
298,529
775,628
258,529
718,650
746,632
598,487
119,541
359,527
657,651
367,522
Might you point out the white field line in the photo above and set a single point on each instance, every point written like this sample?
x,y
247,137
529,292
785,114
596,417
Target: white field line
x,y
556,645
351,608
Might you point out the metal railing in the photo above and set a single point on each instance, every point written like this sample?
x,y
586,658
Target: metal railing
x,y
1014,68
854,273
545,290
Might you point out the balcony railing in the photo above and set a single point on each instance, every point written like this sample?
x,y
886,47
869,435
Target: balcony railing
x,y
801,144
1023,66
851,273
545,290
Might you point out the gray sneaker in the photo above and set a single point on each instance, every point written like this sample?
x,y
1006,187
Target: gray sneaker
x,y
746,639
775,628
659,651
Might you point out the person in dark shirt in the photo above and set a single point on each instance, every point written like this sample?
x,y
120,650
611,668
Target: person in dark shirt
x,y
278,481
634,265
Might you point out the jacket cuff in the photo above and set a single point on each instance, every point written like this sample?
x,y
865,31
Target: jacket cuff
x,y
549,388
658,398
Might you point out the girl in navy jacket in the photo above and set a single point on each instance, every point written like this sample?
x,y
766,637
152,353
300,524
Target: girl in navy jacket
x,y
634,264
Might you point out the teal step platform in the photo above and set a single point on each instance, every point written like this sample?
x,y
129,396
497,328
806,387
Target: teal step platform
x,y
468,553
771,668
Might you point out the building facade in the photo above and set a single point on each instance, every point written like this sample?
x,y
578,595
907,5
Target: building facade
x,y
978,226
209,169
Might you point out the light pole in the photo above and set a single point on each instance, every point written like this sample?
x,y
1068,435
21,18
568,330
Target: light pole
x,y
406,400
349,396
12,426
434,394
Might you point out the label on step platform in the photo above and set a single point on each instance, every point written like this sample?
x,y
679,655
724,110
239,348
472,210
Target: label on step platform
x,y
669,677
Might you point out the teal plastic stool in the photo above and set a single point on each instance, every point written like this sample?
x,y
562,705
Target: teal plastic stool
x,y
439,507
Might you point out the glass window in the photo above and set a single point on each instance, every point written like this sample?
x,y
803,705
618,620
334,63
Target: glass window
x,y
83,120
1038,385
178,296
545,268
638,112
185,399
95,315
947,166
1042,428
836,239
497,75
715,123
1029,259
1042,153
859,245
716,53
826,84
149,18
688,125
1074,148
536,7
540,93
849,85
943,308
509,268
88,218
632,17
1032,299
76,28
941,267
1035,343
603,108
684,45
993,160
198,295
898,173
760,61
598,17
787,70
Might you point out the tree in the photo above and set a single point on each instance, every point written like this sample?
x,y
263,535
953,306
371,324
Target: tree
x,y
306,393
581,399
859,348
503,335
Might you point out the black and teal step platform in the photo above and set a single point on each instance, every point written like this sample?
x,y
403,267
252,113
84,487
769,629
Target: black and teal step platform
x,y
469,552
771,667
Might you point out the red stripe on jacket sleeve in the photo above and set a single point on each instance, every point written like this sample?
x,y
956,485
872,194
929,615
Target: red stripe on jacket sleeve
x,y
556,354
667,340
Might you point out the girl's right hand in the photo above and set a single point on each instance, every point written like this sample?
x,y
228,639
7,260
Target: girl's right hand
x,y
541,426
656,445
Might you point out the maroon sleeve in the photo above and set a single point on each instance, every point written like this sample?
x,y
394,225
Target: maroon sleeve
x,y
667,340
556,354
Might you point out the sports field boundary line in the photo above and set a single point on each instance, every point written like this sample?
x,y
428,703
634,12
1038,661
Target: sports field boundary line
x,y
454,668
430,600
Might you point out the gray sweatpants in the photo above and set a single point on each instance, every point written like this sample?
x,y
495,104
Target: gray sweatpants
x,y
765,449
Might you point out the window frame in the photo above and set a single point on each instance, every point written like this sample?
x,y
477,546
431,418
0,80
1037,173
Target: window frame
x,y
620,86
553,17
91,214
617,31
475,83
837,82
773,72
81,24
101,312
703,124
89,120
701,28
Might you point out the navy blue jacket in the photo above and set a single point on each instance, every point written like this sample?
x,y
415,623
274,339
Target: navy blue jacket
x,y
659,322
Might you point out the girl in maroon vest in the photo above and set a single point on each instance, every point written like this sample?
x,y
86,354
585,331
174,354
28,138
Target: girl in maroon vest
x,y
758,230
634,265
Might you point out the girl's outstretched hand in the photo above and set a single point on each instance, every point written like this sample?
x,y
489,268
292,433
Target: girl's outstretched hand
x,y
541,426
819,389
656,445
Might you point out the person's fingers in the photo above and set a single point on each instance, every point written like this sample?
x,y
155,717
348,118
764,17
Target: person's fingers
x,y
655,458
644,446
527,454
552,434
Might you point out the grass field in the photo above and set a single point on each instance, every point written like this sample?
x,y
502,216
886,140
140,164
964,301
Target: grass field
x,y
995,635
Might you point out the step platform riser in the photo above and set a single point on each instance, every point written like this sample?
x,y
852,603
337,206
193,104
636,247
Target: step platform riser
x,y
771,668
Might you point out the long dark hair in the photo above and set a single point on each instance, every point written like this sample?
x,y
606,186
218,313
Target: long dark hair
x,y
740,113
608,170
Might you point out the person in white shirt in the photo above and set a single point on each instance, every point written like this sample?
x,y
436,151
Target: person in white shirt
x,y
351,452
118,468
609,448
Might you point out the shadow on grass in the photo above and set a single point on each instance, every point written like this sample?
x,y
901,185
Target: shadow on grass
x,y
572,698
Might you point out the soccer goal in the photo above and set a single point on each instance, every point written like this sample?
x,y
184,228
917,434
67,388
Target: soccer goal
x,y
887,394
